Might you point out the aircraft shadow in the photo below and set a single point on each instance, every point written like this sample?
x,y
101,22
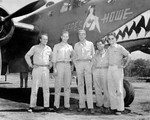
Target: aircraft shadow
x,y
5,83
14,110
23,95
21,110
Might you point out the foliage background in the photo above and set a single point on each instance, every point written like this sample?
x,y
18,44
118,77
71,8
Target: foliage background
x,y
138,67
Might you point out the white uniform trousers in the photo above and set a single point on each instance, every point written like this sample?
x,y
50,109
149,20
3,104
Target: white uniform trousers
x,y
63,77
115,87
101,87
83,69
40,74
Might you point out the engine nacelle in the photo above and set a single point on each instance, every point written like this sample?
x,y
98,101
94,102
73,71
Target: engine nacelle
x,y
6,28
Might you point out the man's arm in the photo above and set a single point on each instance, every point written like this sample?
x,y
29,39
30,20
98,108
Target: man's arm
x,y
93,63
54,59
50,57
127,56
128,59
93,50
74,55
28,57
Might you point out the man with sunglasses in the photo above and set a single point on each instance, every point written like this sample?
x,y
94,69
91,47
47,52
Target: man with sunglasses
x,y
118,59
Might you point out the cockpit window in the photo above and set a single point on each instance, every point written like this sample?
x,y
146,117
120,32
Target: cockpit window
x,y
66,6
49,3
110,1
78,3
70,4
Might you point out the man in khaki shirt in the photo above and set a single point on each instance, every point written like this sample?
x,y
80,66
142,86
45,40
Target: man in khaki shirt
x,y
99,69
84,51
62,56
118,58
42,55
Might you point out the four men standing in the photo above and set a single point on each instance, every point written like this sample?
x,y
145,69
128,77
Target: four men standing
x,y
106,67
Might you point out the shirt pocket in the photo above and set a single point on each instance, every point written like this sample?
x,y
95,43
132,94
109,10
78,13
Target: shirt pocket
x,y
48,52
87,50
116,52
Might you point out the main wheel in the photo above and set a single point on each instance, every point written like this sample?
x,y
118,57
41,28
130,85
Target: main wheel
x,y
129,93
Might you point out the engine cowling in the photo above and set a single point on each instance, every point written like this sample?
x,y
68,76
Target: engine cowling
x,y
6,28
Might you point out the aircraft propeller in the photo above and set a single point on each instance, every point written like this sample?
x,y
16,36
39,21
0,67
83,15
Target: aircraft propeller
x,y
6,24
25,10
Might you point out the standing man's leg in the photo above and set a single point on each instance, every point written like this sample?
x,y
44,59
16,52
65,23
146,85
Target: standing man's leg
x,y
112,87
58,83
26,79
80,76
118,77
88,82
21,80
45,81
67,82
36,75
103,79
98,88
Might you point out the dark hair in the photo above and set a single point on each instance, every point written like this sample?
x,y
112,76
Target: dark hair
x,y
40,36
92,6
112,34
81,31
63,32
102,41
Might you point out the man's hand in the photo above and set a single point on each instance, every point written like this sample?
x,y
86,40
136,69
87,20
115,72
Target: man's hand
x,y
31,66
50,65
122,66
55,72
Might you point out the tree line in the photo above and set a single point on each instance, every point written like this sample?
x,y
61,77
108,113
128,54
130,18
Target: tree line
x,y
138,67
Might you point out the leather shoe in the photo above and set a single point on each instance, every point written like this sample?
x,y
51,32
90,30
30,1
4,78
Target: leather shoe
x,y
113,111
68,109
47,109
91,111
30,110
56,109
118,113
107,111
81,109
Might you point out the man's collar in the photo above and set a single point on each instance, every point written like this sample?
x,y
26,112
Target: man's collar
x,y
83,42
101,52
63,43
114,45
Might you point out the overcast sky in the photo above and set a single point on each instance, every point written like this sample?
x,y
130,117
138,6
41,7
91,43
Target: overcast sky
x,y
13,5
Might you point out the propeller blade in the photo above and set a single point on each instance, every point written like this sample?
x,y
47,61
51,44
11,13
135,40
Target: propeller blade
x,y
26,9
0,62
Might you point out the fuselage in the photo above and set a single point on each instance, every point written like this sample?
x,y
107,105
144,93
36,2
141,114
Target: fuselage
x,y
97,17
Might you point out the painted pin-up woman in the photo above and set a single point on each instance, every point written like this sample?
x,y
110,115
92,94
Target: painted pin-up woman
x,y
92,21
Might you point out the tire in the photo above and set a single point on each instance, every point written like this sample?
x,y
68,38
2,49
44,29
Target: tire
x,y
129,93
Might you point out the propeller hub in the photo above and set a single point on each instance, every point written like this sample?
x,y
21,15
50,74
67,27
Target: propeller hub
x,y
1,18
6,27
1,25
